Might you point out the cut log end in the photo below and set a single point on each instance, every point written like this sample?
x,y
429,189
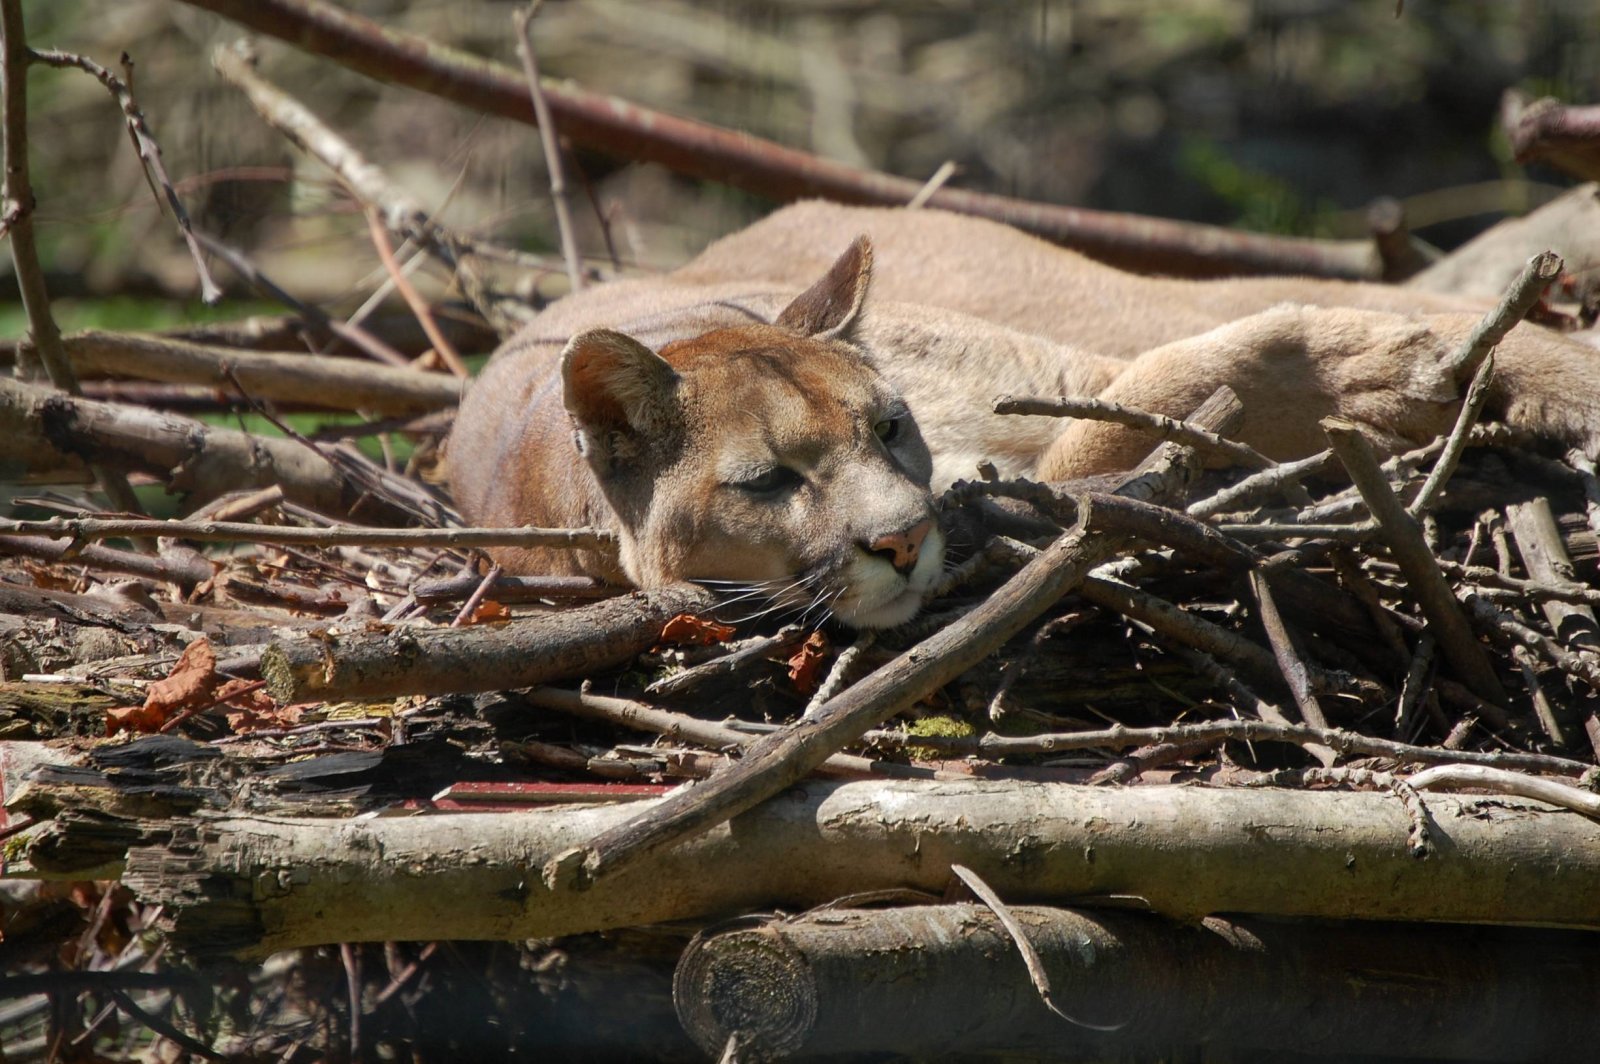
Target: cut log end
x,y
748,985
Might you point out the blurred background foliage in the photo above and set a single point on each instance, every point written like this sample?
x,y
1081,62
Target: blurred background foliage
x,y
1281,115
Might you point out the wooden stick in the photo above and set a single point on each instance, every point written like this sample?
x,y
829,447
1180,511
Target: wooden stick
x,y
1411,552
419,659
523,20
1520,297
408,292
1499,781
1456,443
338,383
1346,743
1167,428
682,727
92,528
254,276
1290,661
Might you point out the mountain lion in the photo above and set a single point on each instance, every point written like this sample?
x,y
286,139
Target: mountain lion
x,y
774,417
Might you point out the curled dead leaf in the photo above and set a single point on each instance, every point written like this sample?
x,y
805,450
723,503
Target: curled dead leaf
x,y
805,664
192,683
690,629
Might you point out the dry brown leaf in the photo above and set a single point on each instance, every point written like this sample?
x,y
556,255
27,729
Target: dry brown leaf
x,y
689,629
805,664
192,683
488,612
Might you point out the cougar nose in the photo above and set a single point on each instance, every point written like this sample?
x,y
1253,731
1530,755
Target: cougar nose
x,y
900,549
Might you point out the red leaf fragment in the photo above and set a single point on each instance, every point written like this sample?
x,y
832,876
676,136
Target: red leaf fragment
x,y
191,684
689,629
805,664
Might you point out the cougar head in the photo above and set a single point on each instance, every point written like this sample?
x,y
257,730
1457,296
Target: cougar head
x,y
772,458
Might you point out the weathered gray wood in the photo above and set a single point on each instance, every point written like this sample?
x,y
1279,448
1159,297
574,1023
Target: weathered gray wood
x,y
257,884
932,980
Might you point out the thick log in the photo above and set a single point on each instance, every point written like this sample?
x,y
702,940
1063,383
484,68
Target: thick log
x,y
417,660
256,884
948,979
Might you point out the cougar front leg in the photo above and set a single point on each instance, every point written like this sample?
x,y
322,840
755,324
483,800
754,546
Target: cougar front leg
x,y
1291,366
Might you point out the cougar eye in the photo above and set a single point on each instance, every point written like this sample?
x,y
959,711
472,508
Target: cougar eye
x,y
769,482
886,429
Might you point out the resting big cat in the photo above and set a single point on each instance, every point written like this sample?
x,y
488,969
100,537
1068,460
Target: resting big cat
x,y
775,413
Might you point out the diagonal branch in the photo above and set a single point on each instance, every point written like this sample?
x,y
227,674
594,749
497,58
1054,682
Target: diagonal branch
x,y
144,142
697,149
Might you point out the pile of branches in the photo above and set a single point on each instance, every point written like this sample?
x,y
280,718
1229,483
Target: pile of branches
x,y
346,723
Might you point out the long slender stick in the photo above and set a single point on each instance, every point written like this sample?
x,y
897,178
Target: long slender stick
x,y
549,142
1519,298
780,759
1166,427
89,528
1346,743
408,291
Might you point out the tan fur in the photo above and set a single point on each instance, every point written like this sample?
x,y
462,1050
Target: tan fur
x,y
959,311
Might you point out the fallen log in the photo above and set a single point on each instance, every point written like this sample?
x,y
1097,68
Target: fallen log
x,y
257,884
45,430
932,980
418,660
341,383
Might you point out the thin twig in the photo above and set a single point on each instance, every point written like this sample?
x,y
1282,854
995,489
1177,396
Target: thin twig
x,y
739,657
144,142
684,728
408,291
1347,743
93,528
357,337
840,674
1290,660
1456,443
476,597
1167,428
1499,781
1520,297
1274,479
1416,680
946,171
1543,712
1019,938
523,20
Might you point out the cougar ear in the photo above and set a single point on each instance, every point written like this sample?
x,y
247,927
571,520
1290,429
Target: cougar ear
x,y
617,390
827,308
